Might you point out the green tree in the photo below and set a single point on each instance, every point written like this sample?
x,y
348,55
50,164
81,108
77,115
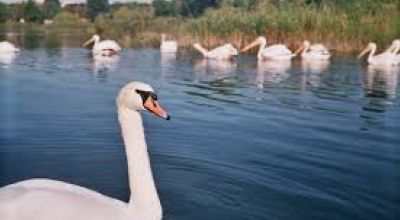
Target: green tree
x,y
4,12
197,7
96,7
31,12
165,8
51,8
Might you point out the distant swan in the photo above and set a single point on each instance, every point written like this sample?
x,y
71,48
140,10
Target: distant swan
x,y
168,46
313,52
273,52
385,58
224,52
104,47
44,199
394,48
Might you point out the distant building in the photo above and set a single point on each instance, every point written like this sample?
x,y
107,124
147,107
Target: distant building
x,y
72,2
78,9
78,2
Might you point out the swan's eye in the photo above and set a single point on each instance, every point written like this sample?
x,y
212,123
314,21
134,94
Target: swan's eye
x,y
154,96
146,94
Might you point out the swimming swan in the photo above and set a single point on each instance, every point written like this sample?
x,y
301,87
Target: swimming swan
x,y
44,199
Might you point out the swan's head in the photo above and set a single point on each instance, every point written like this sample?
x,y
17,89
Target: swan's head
x,y
395,47
306,43
396,42
95,38
259,41
304,46
196,45
370,47
139,96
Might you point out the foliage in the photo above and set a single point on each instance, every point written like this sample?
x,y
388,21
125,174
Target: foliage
x,y
96,7
4,12
344,25
66,19
165,8
51,8
31,12
194,8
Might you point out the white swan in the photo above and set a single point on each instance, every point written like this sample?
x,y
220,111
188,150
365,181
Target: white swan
x,y
224,52
7,47
313,52
168,46
394,48
104,47
7,58
384,58
43,199
273,52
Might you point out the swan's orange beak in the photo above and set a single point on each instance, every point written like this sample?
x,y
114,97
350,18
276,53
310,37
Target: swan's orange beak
x,y
152,106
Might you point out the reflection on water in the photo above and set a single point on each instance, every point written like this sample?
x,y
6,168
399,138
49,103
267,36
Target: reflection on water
x,y
381,80
327,149
314,66
102,63
312,72
276,71
43,38
380,88
206,68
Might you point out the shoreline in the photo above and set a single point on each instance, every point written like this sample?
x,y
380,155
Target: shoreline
x,y
61,37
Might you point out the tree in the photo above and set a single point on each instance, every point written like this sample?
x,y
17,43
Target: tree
x,y
31,12
165,8
197,7
96,7
4,12
51,8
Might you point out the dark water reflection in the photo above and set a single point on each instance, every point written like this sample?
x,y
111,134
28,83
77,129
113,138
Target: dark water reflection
x,y
41,37
247,140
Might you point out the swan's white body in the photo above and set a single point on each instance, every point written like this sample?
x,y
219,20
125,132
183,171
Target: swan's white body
x,y
7,47
273,52
384,58
314,52
7,58
224,52
44,199
168,46
104,47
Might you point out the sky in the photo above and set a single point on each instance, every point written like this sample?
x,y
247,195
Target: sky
x,y
78,1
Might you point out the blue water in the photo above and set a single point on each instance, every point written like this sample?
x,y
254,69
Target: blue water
x,y
246,141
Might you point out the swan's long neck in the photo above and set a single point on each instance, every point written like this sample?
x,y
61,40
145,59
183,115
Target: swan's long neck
x,y
263,45
371,53
96,42
144,195
201,49
305,50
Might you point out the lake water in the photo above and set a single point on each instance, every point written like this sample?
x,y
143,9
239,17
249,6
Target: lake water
x,y
246,141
